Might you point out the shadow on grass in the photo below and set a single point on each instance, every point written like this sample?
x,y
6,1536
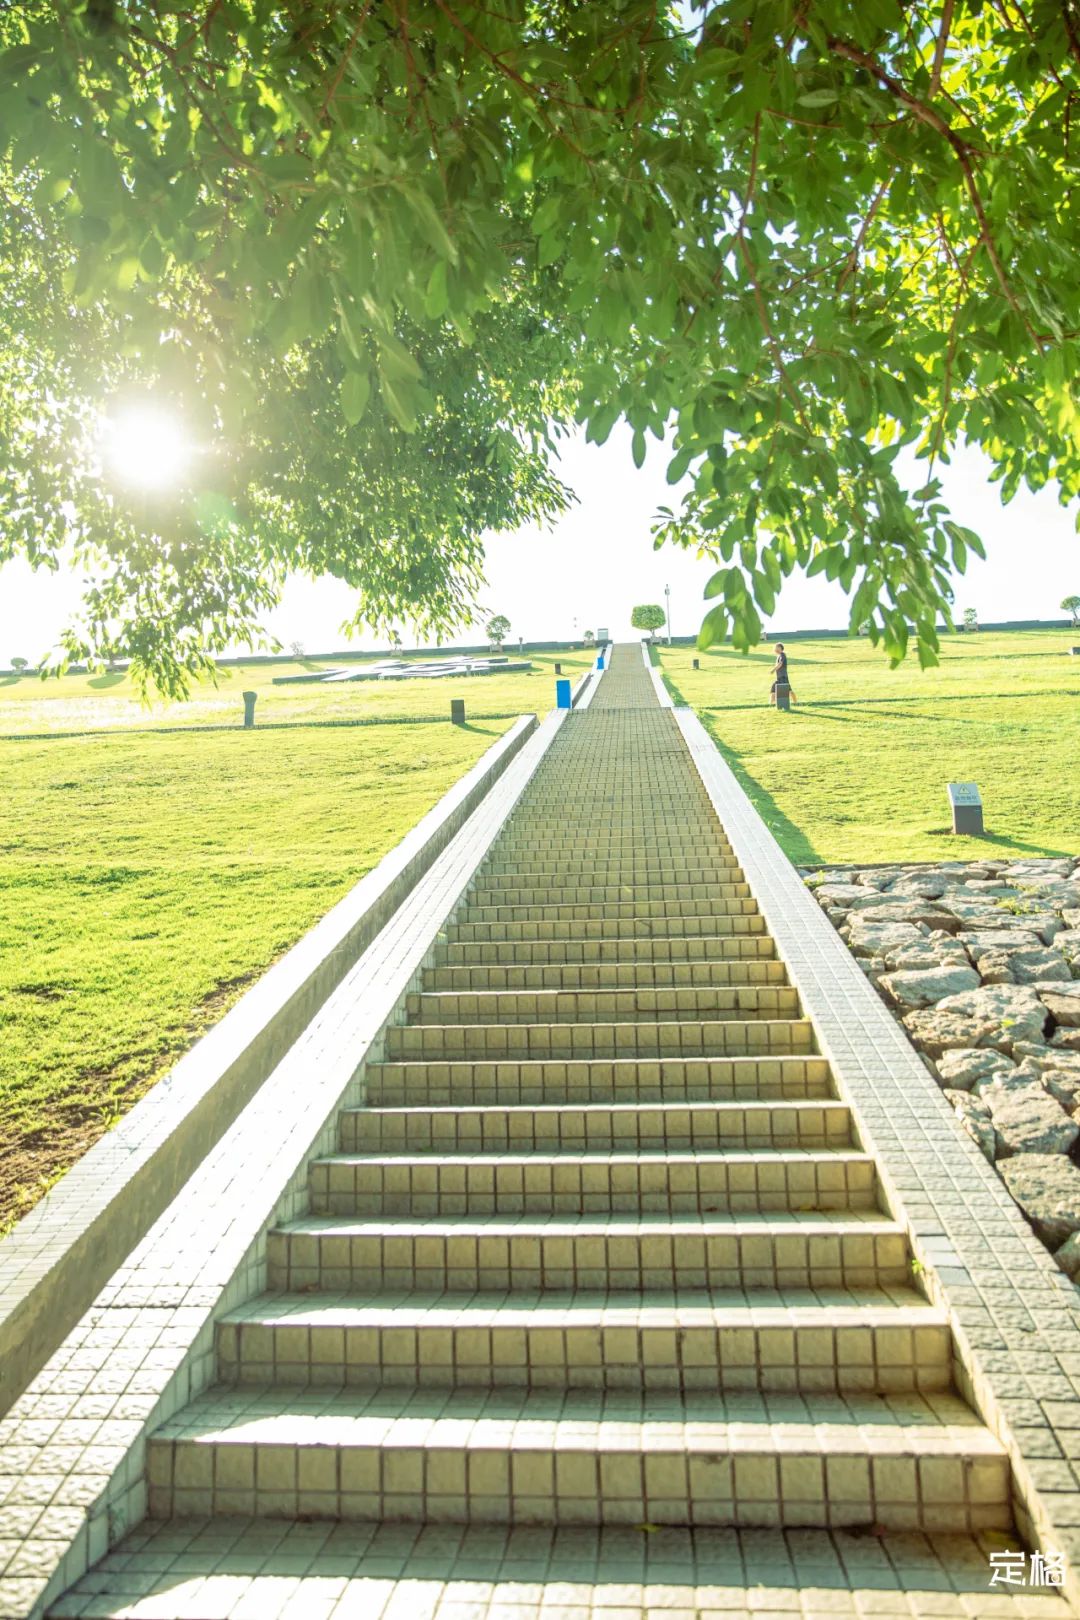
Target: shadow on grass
x,y
999,841
101,683
10,680
792,840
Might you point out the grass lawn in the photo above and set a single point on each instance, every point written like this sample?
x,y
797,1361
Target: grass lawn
x,y
147,878
857,770
78,703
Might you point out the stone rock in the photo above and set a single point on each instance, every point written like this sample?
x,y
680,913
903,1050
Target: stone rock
x,y
970,911
996,1015
1064,1086
1068,943
1017,965
874,939
920,888
1030,871
872,878
1069,1039
1068,1256
926,912
844,895
928,953
964,1066
1047,1188
922,987
1040,1059
1028,1120
1063,1003
826,874
1004,1080
1071,918
982,916
974,1118
978,941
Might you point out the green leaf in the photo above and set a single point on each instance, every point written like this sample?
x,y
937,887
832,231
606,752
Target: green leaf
x,y
355,393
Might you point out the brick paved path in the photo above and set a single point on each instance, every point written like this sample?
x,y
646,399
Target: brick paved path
x,y
601,1251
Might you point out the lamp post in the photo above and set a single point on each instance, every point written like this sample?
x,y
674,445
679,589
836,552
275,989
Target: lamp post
x,y
667,611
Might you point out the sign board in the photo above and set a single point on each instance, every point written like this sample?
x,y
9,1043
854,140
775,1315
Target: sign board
x,y
967,808
602,637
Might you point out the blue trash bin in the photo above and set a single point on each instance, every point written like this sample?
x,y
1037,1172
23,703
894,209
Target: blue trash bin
x,y
562,694
600,662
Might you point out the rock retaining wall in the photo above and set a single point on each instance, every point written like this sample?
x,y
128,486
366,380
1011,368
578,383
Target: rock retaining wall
x,y
980,962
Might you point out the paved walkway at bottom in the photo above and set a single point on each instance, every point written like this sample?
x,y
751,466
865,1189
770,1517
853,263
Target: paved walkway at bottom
x,y
272,1570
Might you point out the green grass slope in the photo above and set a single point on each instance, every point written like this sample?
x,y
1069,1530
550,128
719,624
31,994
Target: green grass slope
x,y
147,879
857,770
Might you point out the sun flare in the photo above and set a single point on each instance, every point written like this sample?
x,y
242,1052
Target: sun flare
x,y
145,447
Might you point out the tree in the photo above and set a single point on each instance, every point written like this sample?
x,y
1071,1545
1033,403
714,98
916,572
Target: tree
x,y
18,665
497,631
649,616
378,258
588,637
1071,604
971,619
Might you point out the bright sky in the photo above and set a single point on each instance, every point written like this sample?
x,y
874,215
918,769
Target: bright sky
x,y
598,562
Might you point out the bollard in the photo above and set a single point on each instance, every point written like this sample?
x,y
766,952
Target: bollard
x,y
249,709
783,696
965,802
562,694
558,669
457,711
697,663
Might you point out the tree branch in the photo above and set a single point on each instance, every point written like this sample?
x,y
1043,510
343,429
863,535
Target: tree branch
x,y
939,49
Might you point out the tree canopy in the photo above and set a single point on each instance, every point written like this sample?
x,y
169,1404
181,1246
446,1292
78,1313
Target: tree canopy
x,y
376,256
648,616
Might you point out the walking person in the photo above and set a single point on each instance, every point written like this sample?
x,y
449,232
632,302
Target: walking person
x,y
780,675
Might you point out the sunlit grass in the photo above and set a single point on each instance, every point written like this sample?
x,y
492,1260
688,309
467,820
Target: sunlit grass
x,y
857,770
107,702
146,879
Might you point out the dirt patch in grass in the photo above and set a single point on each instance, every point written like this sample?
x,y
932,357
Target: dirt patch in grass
x,y
35,1161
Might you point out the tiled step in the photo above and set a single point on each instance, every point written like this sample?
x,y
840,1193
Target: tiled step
x,y
675,1127
659,844
610,911
572,1183
778,1251
606,928
493,1043
621,1080
555,876
710,948
901,1462
845,1342
537,893
691,1003
603,976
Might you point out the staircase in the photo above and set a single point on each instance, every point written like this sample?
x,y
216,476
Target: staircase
x,y
602,1248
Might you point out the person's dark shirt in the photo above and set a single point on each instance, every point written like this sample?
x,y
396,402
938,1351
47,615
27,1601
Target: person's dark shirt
x,y
781,663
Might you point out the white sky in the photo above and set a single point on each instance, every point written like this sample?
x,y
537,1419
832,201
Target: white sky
x,y
599,561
